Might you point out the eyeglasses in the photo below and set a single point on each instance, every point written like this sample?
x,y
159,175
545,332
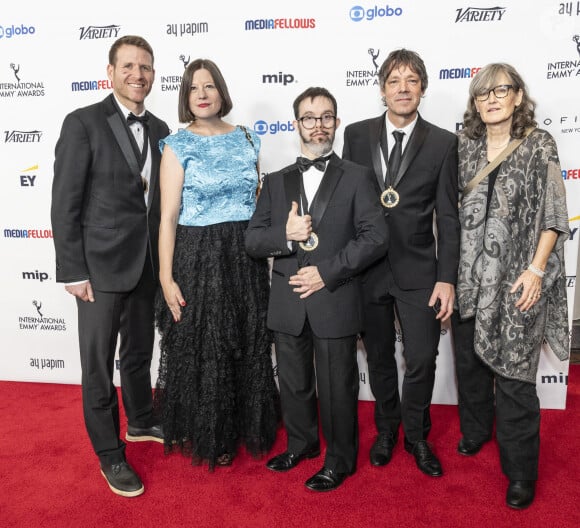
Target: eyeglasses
x,y
309,122
499,91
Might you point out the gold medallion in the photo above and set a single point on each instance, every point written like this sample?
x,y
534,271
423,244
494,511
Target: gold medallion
x,y
311,244
389,198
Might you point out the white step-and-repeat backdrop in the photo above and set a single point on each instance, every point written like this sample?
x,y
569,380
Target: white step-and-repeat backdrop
x,y
53,59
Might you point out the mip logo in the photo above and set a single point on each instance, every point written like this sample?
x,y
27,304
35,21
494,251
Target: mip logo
x,y
262,127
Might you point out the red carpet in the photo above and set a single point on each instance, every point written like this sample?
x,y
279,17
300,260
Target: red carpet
x,y
49,477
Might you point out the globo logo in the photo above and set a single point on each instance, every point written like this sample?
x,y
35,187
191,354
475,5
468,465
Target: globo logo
x,y
10,31
262,127
358,13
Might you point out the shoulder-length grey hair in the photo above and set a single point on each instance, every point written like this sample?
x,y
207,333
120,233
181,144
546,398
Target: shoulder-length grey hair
x,y
485,80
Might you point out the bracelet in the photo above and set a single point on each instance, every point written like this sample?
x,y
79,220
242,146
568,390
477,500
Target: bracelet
x,y
536,271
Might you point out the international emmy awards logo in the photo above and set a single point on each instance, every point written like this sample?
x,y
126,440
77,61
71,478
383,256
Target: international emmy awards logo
x,y
185,62
576,38
15,69
38,306
374,57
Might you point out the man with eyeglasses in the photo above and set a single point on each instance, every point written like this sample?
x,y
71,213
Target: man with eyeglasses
x,y
415,165
321,221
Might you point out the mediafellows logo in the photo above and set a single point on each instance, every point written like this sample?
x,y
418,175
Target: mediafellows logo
x,y
19,87
480,14
365,76
458,73
87,86
27,233
16,31
359,13
99,32
189,29
280,23
22,136
571,174
566,69
263,127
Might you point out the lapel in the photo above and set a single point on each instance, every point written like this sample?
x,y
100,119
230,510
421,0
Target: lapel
x,y
325,191
154,137
376,127
122,136
416,140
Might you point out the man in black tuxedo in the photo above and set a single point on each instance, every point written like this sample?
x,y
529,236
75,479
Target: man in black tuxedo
x,y
415,164
105,218
321,220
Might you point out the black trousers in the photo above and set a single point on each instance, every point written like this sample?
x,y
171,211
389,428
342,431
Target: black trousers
x,y
130,315
421,333
336,377
515,406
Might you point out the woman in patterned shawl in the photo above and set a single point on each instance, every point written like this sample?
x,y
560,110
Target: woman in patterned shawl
x,y
511,286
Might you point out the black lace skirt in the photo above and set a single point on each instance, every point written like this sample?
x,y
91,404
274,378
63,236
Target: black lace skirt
x,y
216,389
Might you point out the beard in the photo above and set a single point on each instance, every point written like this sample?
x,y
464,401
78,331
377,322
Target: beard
x,y
319,145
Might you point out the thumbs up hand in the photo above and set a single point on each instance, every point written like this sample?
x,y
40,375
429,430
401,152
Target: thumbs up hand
x,y
298,228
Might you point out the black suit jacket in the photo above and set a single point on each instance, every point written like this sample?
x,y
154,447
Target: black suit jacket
x,y
427,182
101,225
352,234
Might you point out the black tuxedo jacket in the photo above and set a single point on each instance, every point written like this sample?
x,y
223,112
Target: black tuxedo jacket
x,y
426,182
348,220
101,225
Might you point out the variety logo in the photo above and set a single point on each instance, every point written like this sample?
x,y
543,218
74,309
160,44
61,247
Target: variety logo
x,y
279,78
565,69
27,233
479,14
99,32
569,124
27,180
573,230
35,275
458,73
188,29
359,13
262,127
20,88
86,86
22,136
571,174
40,322
571,281
16,31
568,8
365,77
280,23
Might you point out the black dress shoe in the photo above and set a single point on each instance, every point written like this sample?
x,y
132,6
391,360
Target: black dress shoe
x,y
426,461
286,461
144,434
382,450
122,479
520,493
469,447
325,480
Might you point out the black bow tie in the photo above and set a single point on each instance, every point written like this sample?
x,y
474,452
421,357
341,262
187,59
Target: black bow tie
x,y
132,118
305,163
